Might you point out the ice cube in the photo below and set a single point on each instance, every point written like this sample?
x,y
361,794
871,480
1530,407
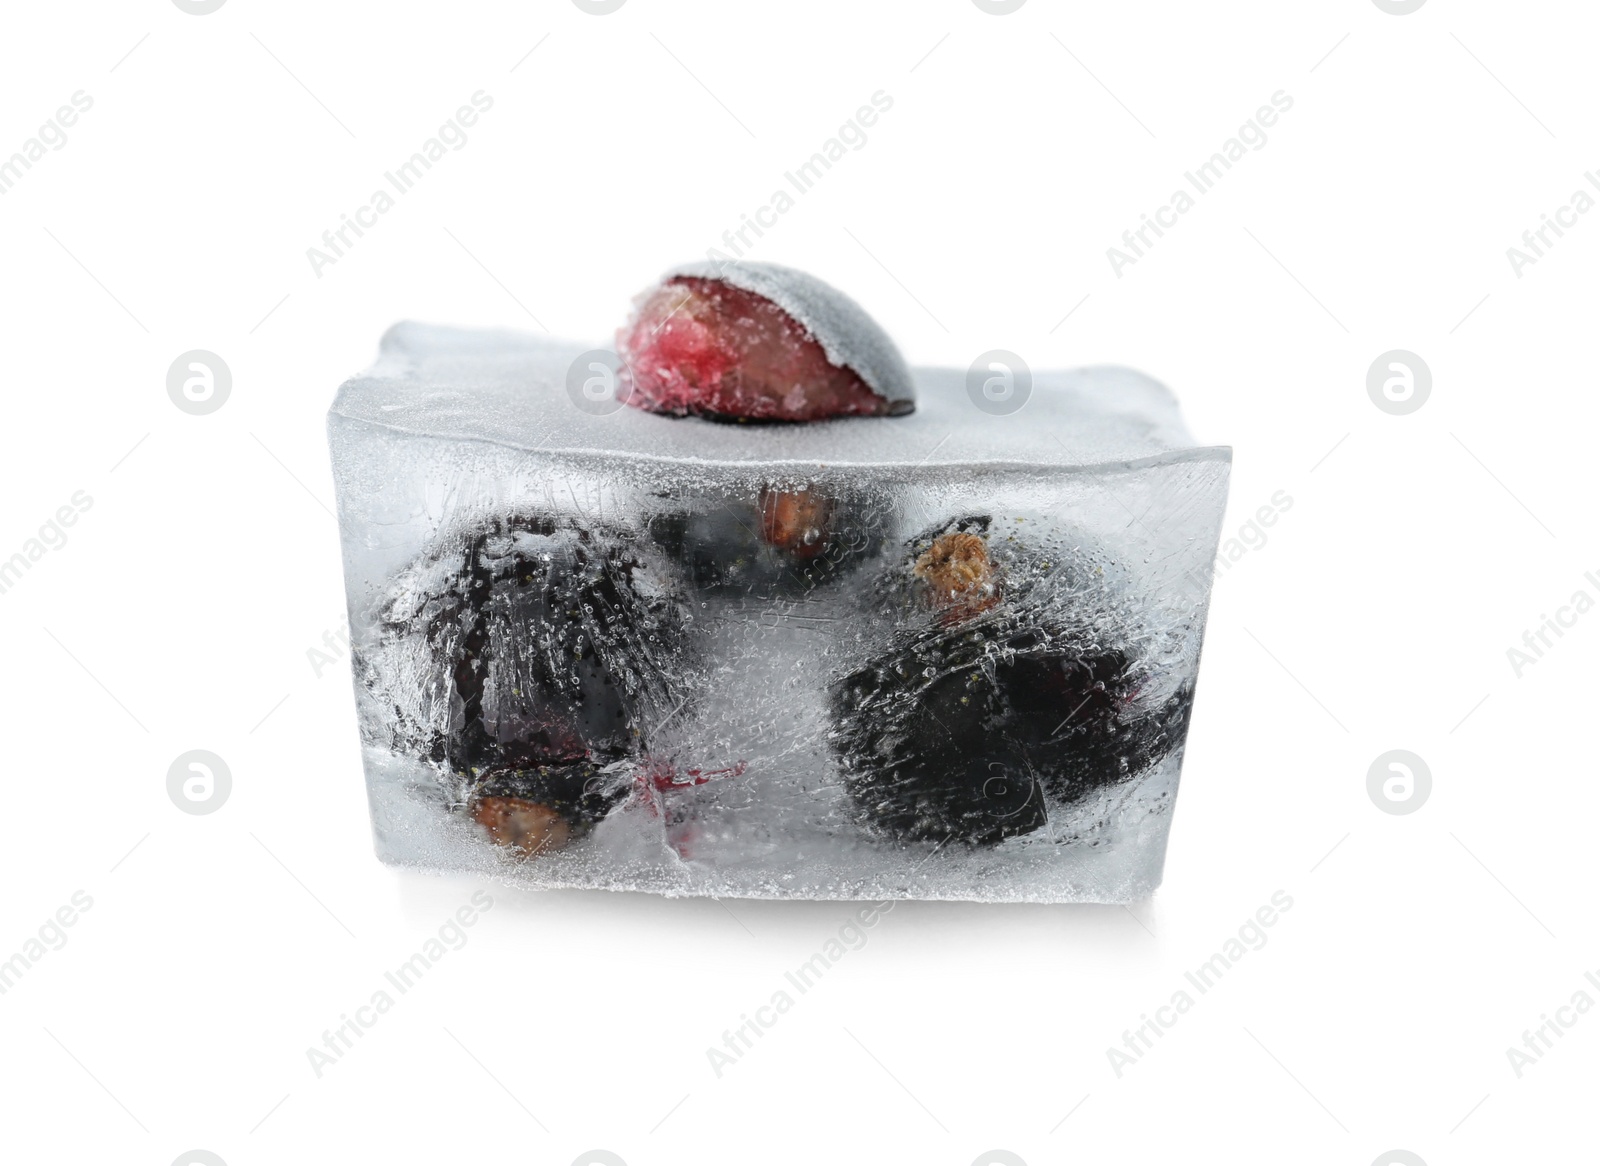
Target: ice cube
x,y
949,654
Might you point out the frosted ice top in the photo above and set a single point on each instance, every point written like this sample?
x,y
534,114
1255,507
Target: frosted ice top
x,y
512,389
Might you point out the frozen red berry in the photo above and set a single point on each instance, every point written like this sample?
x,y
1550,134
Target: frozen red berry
x,y
758,342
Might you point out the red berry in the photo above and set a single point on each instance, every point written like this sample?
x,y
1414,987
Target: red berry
x,y
757,342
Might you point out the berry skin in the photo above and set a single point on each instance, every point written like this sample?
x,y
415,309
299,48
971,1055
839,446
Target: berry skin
x,y
998,706
758,342
531,655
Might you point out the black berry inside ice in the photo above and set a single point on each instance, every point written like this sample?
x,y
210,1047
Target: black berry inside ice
x,y
527,656
995,705
782,539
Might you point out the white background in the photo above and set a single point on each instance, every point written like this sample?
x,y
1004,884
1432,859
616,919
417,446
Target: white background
x,y
1418,549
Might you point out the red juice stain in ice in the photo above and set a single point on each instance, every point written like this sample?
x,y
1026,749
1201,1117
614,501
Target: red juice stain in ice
x,y
658,775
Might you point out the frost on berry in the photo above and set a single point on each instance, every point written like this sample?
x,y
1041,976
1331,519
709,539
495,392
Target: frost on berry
x,y
719,347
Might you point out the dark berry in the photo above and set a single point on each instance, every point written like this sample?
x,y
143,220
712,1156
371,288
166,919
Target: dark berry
x,y
529,656
1001,701
783,541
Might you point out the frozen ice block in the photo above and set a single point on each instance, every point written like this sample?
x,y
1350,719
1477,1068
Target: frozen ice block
x,y
947,655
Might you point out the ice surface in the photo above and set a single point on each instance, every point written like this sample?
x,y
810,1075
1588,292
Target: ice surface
x,y
509,388
945,655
